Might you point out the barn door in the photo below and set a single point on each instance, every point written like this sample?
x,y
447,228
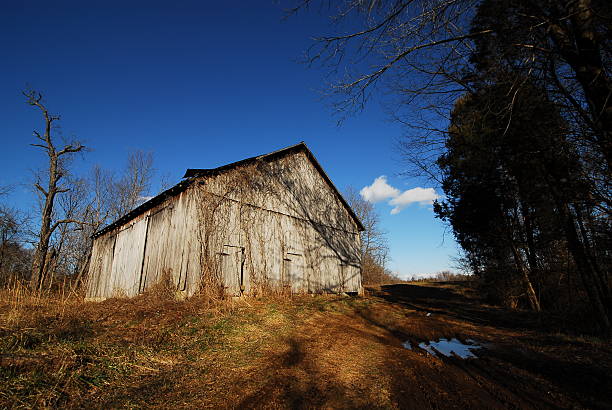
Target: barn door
x,y
232,269
286,274
293,272
343,270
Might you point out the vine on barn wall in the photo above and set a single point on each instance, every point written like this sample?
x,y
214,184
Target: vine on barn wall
x,y
271,207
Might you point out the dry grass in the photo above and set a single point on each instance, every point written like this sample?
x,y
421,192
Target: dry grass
x,y
286,352
56,349
63,351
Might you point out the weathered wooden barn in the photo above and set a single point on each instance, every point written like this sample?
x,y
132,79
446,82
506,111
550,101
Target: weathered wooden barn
x,y
274,221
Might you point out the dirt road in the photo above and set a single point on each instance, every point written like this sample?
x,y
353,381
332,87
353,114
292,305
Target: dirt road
x,y
315,352
356,359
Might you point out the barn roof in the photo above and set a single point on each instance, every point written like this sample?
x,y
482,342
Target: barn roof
x,y
192,174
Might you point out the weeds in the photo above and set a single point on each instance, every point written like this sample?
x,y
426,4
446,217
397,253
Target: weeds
x,y
64,351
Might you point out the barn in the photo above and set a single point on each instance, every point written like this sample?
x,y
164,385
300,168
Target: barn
x,y
271,222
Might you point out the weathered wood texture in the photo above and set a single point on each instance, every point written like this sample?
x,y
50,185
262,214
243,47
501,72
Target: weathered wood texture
x,y
274,224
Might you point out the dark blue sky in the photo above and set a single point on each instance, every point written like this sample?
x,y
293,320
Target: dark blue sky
x,y
199,84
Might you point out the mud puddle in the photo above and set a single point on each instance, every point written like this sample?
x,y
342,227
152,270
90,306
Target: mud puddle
x,y
448,347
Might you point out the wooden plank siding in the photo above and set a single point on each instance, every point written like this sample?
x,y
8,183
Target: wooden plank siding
x,y
281,227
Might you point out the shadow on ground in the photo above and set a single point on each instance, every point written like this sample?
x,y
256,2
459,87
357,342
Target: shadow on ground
x,y
523,366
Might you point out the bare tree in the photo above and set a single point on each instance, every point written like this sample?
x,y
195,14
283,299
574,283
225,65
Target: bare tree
x,y
67,243
133,186
55,173
12,232
165,182
9,230
96,213
97,200
373,237
374,246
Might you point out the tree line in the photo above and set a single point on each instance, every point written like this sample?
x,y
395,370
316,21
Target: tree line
x,y
508,108
55,240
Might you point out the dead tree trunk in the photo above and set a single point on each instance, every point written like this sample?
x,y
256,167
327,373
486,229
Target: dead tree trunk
x,y
49,193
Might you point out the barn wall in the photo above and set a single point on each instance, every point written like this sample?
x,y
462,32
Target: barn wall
x,y
276,225
160,242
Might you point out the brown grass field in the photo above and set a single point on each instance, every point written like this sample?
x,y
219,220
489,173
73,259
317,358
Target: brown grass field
x,y
298,352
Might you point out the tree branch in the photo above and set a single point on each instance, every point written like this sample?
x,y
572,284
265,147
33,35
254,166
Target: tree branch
x,y
41,189
367,31
373,76
71,148
40,146
37,135
67,221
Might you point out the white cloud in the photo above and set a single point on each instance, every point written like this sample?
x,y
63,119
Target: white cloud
x,y
421,195
380,190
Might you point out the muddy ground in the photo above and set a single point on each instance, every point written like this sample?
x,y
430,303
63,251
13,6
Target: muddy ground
x,y
306,352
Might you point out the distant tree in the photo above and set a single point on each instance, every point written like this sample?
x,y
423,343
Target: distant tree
x,y
55,174
165,182
13,256
133,185
96,212
9,231
374,246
